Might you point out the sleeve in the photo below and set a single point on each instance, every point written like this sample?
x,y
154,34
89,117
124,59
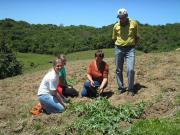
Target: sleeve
x,y
106,71
114,34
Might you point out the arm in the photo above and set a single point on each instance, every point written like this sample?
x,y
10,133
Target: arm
x,y
89,72
102,86
137,36
90,79
105,78
114,34
56,94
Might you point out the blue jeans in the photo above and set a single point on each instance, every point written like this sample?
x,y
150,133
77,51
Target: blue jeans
x,y
50,104
128,54
88,90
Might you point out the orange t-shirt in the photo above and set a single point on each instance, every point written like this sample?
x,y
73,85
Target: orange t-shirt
x,y
98,74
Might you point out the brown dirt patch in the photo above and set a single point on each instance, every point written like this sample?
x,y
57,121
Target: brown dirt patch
x,y
157,79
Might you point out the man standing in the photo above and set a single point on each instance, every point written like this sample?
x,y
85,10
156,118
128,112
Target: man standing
x,y
125,35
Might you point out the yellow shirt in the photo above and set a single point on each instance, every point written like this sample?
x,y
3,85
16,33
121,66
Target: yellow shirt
x,y
125,35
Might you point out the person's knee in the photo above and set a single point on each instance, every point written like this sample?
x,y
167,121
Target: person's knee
x,y
87,84
84,93
118,71
70,92
75,94
60,109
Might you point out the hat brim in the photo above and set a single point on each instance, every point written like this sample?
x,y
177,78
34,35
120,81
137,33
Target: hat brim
x,y
122,16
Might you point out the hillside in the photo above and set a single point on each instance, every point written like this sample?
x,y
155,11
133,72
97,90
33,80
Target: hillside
x,y
23,37
157,84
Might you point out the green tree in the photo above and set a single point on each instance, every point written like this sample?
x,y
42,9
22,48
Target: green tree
x,y
9,66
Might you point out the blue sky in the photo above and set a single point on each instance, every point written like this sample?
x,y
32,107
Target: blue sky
x,y
95,13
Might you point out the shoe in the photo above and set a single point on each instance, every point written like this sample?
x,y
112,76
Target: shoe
x,y
121,91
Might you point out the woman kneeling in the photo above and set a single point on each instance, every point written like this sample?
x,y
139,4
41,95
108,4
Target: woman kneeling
x,y
97,74
48,95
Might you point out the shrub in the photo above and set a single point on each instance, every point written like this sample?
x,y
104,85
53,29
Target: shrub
x,y
9,66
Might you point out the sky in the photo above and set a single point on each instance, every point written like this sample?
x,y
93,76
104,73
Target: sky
x,y
96,13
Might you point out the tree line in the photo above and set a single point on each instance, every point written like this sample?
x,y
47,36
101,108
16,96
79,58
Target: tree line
x,y
21,36
52,39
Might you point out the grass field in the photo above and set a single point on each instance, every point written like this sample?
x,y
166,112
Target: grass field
x,y
168,126
157,82
34,62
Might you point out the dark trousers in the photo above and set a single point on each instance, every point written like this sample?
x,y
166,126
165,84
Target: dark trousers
x,y
70,92
88,90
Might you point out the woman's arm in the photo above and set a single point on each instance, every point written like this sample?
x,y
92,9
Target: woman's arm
x,y
56,94
90,79
102,86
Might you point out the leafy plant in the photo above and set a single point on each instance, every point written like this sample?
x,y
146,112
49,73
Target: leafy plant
x,y
72,81
101,117
9,66
37,126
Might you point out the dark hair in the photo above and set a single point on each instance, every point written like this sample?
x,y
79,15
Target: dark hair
x,y
99,53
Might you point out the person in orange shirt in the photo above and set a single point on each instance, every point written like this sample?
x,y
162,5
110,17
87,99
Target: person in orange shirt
x,y
97,74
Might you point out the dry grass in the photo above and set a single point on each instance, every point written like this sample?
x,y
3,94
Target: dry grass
x,y
157,79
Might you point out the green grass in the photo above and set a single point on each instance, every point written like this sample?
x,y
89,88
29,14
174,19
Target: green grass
x,y
170,126
34,62
84,55
177,101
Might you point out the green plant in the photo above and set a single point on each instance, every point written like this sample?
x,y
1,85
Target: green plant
x,y
72,80
168,126
9,66
37,126
101,117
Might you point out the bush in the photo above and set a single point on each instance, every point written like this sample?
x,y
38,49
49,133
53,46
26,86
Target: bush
x,y
9,66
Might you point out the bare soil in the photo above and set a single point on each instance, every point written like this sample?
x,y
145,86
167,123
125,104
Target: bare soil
x,y
157,81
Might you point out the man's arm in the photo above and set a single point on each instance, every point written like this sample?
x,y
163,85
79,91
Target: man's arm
x,y
137,36
114,34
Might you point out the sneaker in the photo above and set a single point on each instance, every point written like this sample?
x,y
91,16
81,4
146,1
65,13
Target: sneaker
x,y
120,91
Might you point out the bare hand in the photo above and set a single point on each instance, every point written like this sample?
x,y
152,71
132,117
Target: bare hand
x,y
65,106
92,83
100,90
